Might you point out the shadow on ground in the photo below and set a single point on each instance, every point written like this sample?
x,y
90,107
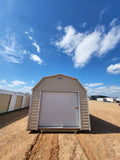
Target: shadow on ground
x,y
99,126
10,117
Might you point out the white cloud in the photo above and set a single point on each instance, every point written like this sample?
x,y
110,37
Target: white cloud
x,y
113,22
110,40
3,81
30,37
85,49
70,40
33,81
10,49
36,58
83,46
105,90
34,42
16,83
94,84
37,46
114,68
26,89
59,27
101,14
26,32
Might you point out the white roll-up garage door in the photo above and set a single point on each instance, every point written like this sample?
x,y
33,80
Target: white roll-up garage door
x,y
59,110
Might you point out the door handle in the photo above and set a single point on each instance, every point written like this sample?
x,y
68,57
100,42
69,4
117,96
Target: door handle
x,y
76,107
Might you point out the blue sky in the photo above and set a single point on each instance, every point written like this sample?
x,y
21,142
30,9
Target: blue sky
x,y
76,38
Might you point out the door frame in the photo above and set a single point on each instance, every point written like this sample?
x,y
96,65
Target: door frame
x,y
62,91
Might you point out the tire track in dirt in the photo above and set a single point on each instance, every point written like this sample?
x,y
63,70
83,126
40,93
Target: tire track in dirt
x,y
45,147
70,148
30,150
85,148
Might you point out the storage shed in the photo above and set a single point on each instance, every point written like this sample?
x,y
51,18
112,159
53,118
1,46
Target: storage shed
x,y
10,100
59,102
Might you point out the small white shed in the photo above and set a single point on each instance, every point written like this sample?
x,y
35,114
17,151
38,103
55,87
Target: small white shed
x,y
59,102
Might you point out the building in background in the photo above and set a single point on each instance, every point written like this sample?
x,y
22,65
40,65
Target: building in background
x,y
94,97
10,100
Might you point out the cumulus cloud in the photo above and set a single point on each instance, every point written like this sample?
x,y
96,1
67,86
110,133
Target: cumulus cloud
x,y
93,84
114,68
10,49
37,46
82,46
3,81
36,58
33,81
16,83
105,90
86,49
70,40
26,89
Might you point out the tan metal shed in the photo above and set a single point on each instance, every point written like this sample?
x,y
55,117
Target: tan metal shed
x,y
59,102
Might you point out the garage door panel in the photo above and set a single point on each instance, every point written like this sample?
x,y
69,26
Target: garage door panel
x,y
58,110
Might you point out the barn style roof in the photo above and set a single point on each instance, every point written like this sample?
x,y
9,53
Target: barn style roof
x,y
56,76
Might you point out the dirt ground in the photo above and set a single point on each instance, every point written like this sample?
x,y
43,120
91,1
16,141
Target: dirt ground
x,y
102,143
14,139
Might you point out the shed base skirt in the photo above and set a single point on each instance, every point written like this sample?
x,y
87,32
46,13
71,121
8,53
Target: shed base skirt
x,y
58,129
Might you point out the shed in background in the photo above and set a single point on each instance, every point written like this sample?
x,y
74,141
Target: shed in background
x,y
10,100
